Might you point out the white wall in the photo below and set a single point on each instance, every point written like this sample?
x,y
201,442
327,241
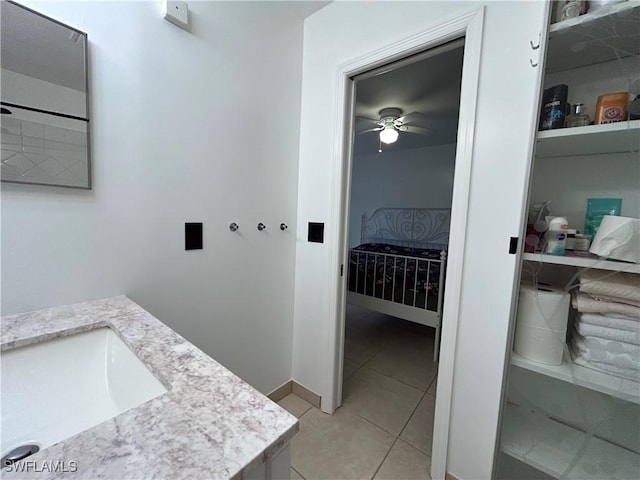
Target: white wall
x,y
501,154
186,126
416,178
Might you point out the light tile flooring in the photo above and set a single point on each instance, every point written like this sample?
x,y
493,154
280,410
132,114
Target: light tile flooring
x,y
383,430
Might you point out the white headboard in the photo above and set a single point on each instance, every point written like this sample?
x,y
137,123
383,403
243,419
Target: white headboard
x,y
408,227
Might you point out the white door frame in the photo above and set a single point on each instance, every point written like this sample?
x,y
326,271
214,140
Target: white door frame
x,y
470,26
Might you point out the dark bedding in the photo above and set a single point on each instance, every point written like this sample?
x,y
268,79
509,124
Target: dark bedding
x,y
380,270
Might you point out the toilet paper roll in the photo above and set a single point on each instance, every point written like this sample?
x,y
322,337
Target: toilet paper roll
x,y
541,324
539,344
543,306
618,238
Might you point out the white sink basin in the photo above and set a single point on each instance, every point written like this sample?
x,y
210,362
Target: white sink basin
x,y
55,389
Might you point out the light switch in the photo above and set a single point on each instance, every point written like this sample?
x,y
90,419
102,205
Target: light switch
x,y
193,236
176,12
316,232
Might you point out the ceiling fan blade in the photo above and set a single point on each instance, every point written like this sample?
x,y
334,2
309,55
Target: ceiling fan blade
x,y
367,121
413,129
376,129
415,117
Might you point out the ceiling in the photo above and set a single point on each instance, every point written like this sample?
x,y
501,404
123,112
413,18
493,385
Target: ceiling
x,y
304,8
430,85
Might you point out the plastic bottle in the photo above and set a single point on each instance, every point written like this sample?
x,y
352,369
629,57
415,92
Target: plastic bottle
x,y
557,236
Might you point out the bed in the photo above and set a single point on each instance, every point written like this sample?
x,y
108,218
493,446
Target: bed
x,y
399,267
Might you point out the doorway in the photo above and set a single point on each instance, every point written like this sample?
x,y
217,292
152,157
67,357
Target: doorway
x,y
469,27
400,193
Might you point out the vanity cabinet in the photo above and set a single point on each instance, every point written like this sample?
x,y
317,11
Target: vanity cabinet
x,y
569,421
276,468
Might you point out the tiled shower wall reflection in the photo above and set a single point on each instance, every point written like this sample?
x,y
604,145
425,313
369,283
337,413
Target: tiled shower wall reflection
x,y
41,152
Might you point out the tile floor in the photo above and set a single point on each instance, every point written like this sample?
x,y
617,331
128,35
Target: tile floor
x,y
383,430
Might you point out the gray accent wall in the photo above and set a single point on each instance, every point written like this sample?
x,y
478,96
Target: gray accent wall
x,y
417,178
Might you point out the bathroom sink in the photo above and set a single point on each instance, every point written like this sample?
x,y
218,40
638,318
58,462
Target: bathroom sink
x,y
57,388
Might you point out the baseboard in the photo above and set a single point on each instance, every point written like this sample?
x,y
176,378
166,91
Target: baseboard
x,y
281,392
306,394
294,387
449,476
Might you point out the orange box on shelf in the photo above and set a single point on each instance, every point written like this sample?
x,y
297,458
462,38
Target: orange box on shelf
x,y
611,108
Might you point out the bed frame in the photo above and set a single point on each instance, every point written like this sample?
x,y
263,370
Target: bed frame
x,y
406,227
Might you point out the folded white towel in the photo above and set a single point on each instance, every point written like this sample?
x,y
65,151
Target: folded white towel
x,y
588,330
621,285
610,321
584,303
605,298
603,367
614,353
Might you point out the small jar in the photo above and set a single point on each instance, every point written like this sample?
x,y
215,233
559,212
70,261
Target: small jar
x,y
578,117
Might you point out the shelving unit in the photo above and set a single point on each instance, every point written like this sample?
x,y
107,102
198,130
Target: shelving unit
x,y
599,36
559,404
584,377
562,451
619,9
582,262
589,140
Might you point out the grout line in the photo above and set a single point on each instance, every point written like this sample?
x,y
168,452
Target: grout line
x,y
396,436
307,411
430,384
344,379
411,416
303,413
424,393
355,414
297,396
397,380
362,363
385,457
298,472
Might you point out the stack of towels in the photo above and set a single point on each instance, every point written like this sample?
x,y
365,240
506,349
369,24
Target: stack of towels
x,y
606,334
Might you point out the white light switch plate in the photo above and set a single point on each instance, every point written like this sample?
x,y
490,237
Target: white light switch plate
x,y
176,12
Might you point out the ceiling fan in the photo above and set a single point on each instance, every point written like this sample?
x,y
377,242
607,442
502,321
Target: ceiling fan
x,y
391,123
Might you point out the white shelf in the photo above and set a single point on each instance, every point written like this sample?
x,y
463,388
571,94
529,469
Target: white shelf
x,y
589,140
585,377
584,262
554,448
595,37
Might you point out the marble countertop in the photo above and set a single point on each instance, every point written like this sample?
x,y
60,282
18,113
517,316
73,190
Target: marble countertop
x,y
210,424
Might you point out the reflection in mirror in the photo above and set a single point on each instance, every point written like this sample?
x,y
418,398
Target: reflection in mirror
x,y
44,119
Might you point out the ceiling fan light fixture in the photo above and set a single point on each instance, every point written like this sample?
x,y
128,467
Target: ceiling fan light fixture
x,y
388,135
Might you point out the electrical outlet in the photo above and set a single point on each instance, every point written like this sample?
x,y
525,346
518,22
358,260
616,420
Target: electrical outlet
x,y
176,12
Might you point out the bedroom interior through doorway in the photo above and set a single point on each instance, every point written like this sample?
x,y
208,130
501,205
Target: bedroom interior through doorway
x,y
432,102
